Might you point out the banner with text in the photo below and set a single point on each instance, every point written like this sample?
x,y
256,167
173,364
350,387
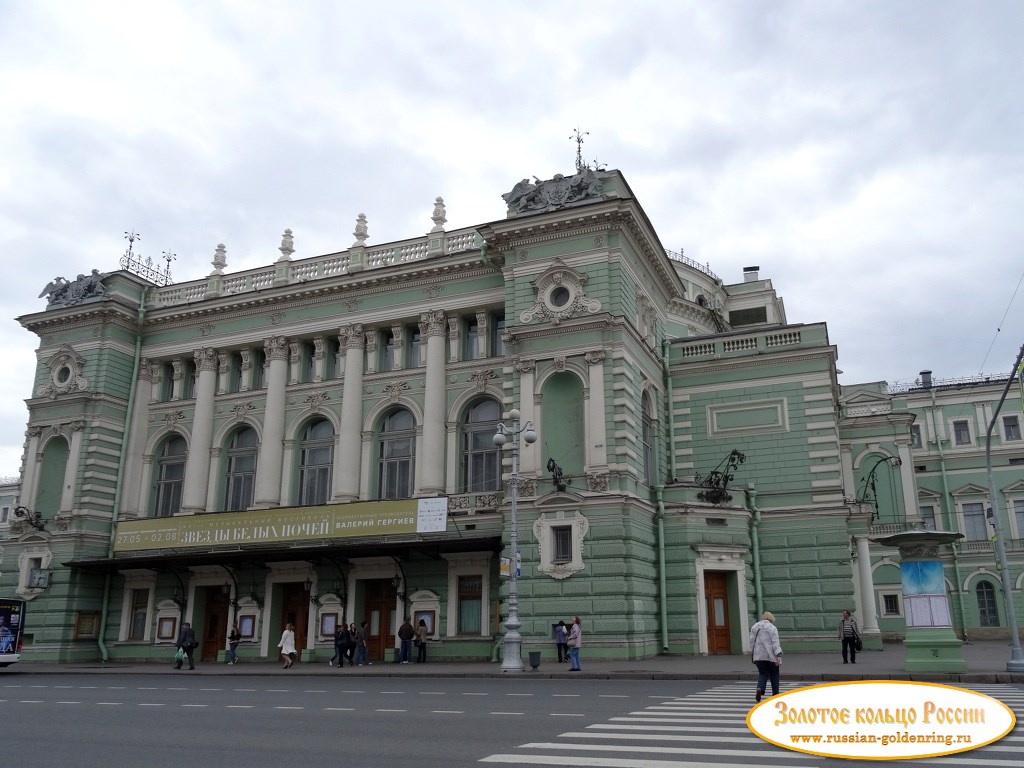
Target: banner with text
x,y
284,524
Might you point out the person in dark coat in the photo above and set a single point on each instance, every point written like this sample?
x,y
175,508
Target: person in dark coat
x,y
187,644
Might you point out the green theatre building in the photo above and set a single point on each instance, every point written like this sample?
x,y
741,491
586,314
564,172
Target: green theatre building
x,y
311,442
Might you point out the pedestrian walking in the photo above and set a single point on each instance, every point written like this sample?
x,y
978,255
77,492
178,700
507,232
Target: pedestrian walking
x,y
362,647
766,652
562,642
186,644
405,635
234,638
849,636
287,646
351,641
339,645
421,642
575,642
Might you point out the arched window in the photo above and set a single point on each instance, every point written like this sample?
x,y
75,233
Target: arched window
x,y
316,459
481,459
988,611
51,472
650,469
395,454
241,470
170,476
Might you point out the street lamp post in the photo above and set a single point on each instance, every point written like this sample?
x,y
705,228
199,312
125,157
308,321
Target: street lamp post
x,y
1016,662
511,657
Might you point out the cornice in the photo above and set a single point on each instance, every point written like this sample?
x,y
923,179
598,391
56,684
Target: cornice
x,y
84,316
740,362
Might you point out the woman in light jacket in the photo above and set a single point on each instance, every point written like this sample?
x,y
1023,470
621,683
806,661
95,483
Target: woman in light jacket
x,y
287,646
766,651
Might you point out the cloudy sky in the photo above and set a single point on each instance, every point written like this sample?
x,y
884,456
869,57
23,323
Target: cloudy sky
x,y
866,155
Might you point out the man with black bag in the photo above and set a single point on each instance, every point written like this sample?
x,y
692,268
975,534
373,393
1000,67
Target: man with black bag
x,y
850,637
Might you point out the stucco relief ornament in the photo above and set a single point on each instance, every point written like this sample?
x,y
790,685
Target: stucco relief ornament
x,y
480,378
66,368
173,418
394,389
597,481
560,295
243,409
316,400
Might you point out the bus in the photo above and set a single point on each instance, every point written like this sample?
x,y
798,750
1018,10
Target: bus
x,y
12,622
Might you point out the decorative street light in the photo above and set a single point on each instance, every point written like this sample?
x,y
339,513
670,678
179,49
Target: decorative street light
x,y
511,658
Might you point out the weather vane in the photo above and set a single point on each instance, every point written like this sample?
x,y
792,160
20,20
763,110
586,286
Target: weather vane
x,y
579,148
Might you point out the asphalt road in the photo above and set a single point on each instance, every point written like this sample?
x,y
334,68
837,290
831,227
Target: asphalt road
x,y
87,721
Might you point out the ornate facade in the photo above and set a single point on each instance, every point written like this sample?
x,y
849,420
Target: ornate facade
x,y
311,442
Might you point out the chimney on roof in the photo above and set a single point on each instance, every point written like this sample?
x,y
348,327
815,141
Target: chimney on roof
x,y
750,274
926,379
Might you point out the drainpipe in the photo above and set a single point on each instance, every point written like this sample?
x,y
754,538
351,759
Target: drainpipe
x,y
660,495
104,608
951,519
755,544
668,411
663,597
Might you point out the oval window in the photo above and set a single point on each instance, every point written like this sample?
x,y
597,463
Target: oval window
x,y
63,374
560,296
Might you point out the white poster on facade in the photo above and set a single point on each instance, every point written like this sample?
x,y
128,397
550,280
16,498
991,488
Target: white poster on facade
x,y
432,515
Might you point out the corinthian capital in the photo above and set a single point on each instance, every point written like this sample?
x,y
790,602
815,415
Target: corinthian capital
x,y
351,336
276,348
206,359
433,322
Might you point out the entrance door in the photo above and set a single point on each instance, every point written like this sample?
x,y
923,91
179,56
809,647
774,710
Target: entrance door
x,y
378,609
295,610
716,599
215,624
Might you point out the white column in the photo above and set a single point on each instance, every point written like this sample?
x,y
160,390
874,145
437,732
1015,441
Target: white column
x,y
135,441
30,481
869,618
197,465
529,461
431,483
907,479
67,494
347,459
268,463
597,432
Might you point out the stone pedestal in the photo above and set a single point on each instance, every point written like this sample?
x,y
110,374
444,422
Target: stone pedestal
x,y
931,644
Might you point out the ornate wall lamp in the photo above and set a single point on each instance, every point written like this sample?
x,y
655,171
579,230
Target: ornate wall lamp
x,y
35,519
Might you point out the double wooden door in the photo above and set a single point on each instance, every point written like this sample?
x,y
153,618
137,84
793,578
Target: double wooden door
x,y
215,624
295,611
379,597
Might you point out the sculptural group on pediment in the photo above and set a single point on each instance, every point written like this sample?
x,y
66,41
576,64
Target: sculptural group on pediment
x,y
555,193
61,292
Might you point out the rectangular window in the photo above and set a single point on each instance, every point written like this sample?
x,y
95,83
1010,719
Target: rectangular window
x,y
498,336
307,363
188,380
928,516
561,536
470,604
890,605
961,432
334,359
974,521
137,619
915,436
169,487
259,369
472,347
5,514
390,353
1011,428
415,351
234,372
1018,513
166,382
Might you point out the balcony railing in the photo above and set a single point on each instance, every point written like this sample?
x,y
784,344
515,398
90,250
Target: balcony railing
x,y
318,267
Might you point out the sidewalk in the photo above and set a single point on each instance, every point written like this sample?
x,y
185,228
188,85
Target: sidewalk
x,y
986,663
